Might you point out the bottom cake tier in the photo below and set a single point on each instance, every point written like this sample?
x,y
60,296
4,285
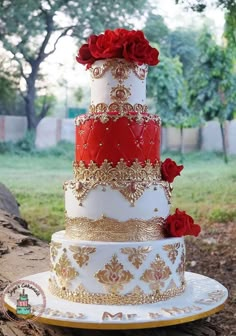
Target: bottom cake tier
x,y
116,273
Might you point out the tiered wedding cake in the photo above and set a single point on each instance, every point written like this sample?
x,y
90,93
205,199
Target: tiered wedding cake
x,y
120,245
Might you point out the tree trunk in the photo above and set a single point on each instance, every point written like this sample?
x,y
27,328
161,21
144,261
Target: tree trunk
x,y
223,142
30,103
22,254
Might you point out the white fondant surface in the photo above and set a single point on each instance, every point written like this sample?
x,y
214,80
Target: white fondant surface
x,y
111,203
104,251
101,87
201,298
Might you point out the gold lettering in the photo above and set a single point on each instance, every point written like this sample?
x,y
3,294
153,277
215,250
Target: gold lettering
x,y
107,316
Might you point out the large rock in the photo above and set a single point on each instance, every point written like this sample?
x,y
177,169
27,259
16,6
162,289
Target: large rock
x,y
8,201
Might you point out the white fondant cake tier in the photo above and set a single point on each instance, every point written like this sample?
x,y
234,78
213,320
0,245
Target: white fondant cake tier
x,y
105,201
119,81
116,273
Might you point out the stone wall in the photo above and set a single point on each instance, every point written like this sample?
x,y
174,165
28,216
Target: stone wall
x,y
12,128
52,130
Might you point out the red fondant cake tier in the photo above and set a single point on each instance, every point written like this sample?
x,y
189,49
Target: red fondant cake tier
x,y
113,137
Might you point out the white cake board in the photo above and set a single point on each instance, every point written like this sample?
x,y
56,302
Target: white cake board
x,y
203,297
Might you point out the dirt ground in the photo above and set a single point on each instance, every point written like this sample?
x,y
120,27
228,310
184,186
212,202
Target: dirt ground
x,y
214,255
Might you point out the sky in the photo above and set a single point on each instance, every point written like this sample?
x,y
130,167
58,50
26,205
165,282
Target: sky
x,y
65,74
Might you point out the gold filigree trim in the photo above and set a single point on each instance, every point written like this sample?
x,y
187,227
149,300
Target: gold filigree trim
x,y
101,112
113,230
120,69
173,250
136,255
81,254
130,181
113,276
135,297
157,274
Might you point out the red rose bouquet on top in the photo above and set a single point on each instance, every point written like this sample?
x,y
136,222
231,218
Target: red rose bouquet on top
x,y
119,43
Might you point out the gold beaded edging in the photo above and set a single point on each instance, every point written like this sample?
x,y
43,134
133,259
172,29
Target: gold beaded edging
x,y
113,230
100,112
130,181
137,296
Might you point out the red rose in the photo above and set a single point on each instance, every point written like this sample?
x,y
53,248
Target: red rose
x,y
136,51
180,224
84,56
106,45
169,170
152,56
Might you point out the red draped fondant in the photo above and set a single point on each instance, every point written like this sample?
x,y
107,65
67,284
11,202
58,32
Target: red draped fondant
x,y
113,140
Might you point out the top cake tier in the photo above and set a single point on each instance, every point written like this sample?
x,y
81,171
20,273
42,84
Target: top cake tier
x,y
118,85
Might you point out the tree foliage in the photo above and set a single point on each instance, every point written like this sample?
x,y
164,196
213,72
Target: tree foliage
x,y
213,84
157,32
31,30
183,43
230,15
213,90
168,86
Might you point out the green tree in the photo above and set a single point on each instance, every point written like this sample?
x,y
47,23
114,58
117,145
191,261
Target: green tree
x,y
169,87
183,43
230,27
230,14
157,32
31,30
8,87
212,87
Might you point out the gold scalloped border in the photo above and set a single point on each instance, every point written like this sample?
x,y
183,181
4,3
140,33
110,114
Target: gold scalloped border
x,y
130,181
113,230
123,110
136,297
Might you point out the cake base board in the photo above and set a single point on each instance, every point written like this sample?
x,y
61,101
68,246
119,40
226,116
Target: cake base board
x,y
203,297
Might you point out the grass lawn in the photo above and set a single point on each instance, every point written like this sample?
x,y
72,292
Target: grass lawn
x,y
206,188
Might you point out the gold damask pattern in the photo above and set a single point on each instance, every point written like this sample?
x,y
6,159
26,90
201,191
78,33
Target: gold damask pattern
x,y
136,255
81,254
131,181
135,297
113,230
120,69
181,268
64,270
173,251
157,274
99,112
113,276
54,246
